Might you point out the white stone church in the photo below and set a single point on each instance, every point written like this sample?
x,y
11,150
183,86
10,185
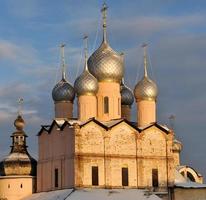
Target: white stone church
x,y
102,153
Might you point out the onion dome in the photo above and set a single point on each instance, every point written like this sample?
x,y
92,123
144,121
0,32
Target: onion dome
x,y
86,83
127,97
105,63
19,123
146,89
19,161
63,90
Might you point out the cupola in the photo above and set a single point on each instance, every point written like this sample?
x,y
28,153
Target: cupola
x,y
105,63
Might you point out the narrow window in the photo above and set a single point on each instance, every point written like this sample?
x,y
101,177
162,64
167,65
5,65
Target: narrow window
x,y
155,177
56,181
95,177
21,186
106,105
8,185
125,178
119,105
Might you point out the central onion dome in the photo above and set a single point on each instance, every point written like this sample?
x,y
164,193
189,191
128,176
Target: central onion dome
x,y
146,89
63,90
86,83
127,97
105,63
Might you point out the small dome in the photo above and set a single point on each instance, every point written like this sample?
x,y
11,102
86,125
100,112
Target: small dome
x,y
127,97
177,145
106,64
19,123
63,91
86,84
146,89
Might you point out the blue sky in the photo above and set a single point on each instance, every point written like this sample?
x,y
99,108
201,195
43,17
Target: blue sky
x,y
32,30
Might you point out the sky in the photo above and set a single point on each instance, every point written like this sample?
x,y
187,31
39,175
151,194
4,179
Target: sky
x,y
31,32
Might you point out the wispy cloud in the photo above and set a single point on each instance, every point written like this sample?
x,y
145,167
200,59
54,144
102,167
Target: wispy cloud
x,y
17,53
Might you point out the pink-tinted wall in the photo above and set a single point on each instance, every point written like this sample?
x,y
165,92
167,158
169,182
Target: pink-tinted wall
x,y
56,151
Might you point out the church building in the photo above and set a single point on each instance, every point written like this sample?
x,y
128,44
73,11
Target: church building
x,y
102,148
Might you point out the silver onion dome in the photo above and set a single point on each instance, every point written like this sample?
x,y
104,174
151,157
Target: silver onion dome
x,y
86,83
146,89
105,63
63,90
127,97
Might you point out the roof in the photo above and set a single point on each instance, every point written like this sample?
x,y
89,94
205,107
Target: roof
x,y
61,124
187,166
93,194
159,126
182,182
189,185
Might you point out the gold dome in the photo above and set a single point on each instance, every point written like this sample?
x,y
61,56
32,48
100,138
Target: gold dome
x,y
145,89
19,123
105,63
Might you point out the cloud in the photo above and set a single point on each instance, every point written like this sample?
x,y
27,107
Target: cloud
x,y
14,88
15,53
149,25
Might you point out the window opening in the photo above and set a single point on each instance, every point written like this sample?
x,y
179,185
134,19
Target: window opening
x,y
106,105
95,176
56,177
125,178
155,178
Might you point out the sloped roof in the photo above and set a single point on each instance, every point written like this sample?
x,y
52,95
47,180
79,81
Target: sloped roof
x,y
182,182
190,184
61,124
94,194
187,166
159,126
